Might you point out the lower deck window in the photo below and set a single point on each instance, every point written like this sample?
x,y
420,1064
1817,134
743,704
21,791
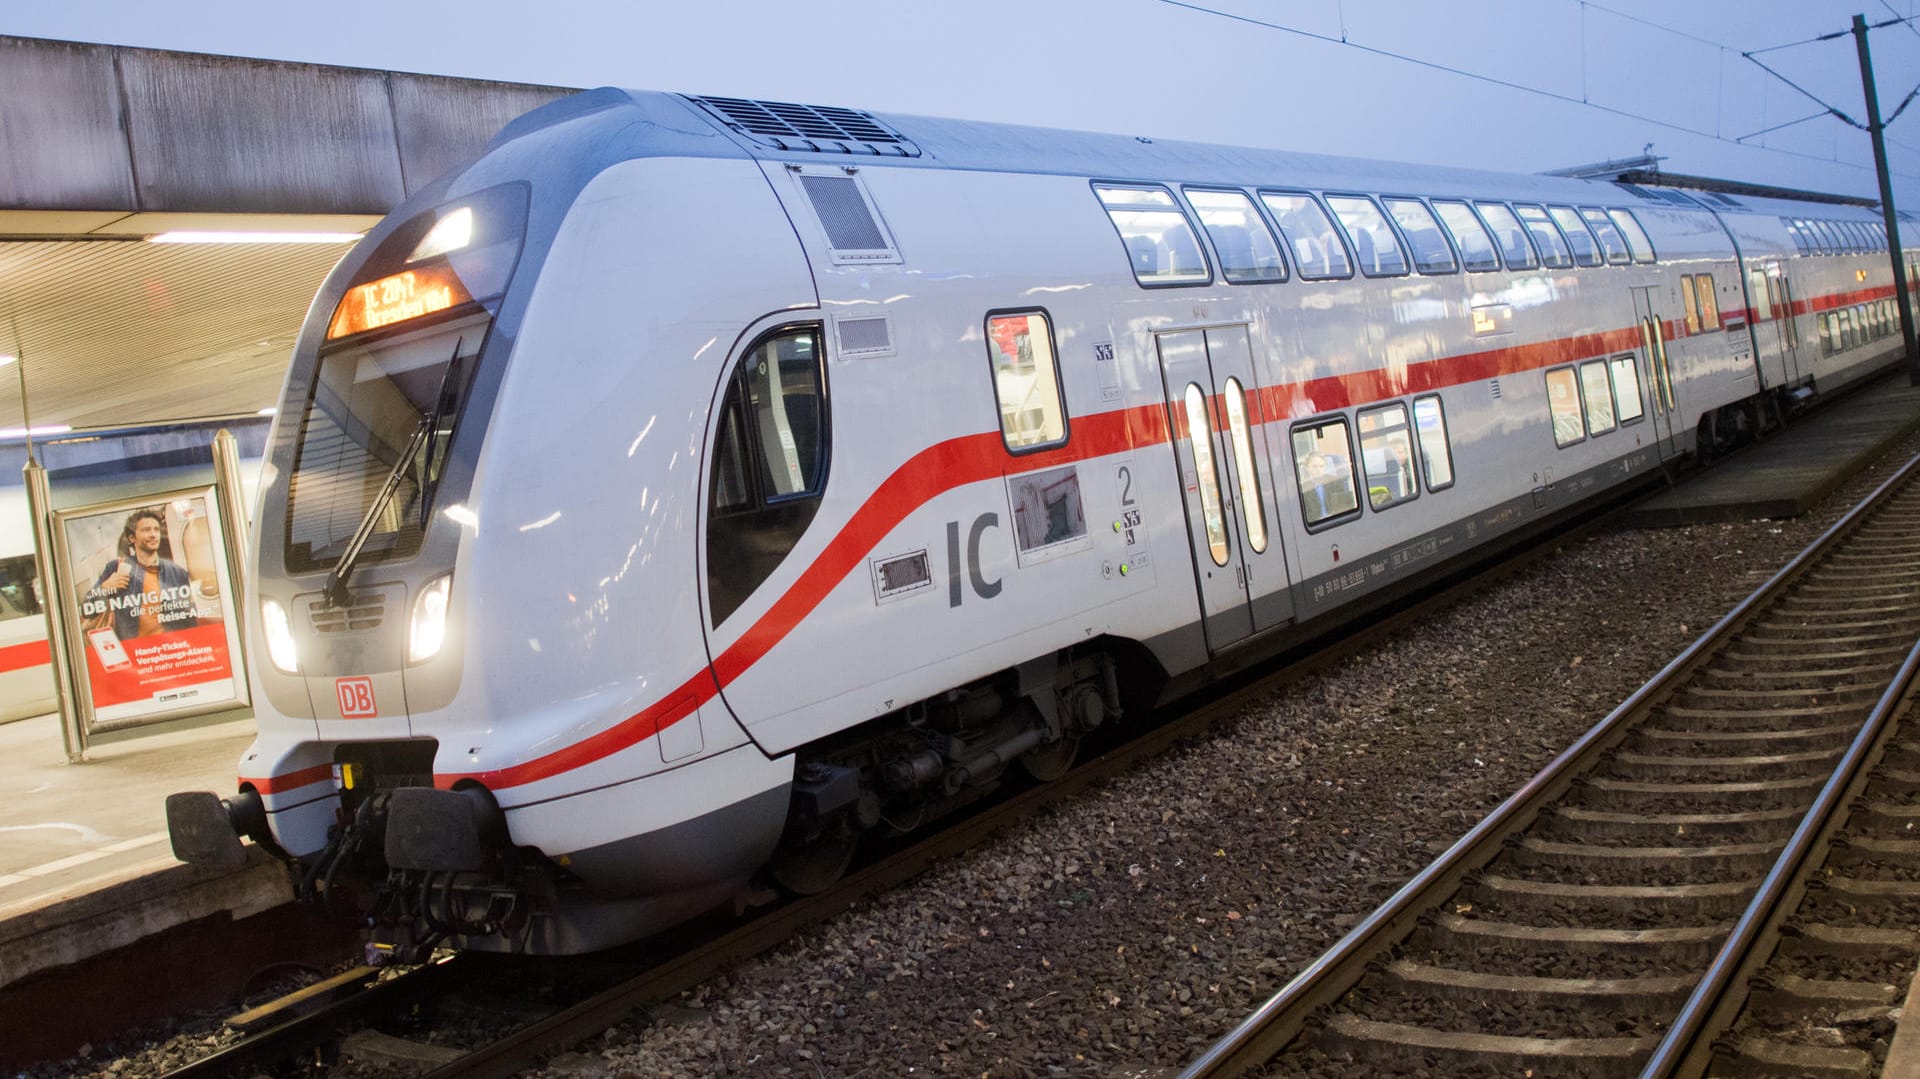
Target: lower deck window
x,y
1323,466
1563,401
1386,453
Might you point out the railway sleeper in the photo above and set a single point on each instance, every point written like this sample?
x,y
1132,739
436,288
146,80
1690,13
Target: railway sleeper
x,y
1848,579
1609,793
1728,716
1407,1046
1690,903
1751,655
1481,938
1881,818
1655,993
1602,825
1775,993
1663,741
1860,894
1798,700
1806,607
1764,1058
1856,850
1754,858
1666,769
1866,942
1803,676
1825,631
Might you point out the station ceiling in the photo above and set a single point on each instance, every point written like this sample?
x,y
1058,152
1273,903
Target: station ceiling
x,y
104,148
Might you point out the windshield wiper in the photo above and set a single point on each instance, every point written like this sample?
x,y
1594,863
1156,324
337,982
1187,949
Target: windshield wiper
x,y
335,590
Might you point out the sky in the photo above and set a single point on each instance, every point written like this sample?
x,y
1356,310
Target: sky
x,y
1535,85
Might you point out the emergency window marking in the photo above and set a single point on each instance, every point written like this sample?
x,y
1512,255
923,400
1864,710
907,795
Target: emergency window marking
x,y
1020,348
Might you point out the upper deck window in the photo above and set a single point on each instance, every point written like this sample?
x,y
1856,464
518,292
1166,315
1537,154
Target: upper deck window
x,y
1469,235
1553,248
1610,239
1431,255
1585,251
1637,242
1158,237
1375,247
1316,249
1247,251
1512,238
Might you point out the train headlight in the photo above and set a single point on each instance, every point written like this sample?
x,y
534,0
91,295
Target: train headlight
x,y
279,631
428,630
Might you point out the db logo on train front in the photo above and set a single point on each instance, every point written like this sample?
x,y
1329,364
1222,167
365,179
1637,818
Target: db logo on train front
x,y
356,697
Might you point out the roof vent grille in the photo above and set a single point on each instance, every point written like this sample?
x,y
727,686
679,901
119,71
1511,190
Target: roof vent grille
x,y
814,128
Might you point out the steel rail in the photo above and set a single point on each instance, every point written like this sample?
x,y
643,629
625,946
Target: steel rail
x,y
1272,1026
1716,1001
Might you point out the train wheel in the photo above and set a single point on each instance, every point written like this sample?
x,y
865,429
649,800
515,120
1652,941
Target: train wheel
x,y
1049,763
809,865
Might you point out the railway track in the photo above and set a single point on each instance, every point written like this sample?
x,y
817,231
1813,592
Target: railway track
x,y
1704,822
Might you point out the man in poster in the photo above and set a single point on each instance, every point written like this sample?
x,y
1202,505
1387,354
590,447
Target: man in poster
x,y
145,593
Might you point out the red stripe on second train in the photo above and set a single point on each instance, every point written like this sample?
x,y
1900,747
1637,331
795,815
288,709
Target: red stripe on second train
x,y
19,657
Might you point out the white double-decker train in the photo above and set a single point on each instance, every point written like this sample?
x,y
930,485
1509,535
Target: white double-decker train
x,y
690,487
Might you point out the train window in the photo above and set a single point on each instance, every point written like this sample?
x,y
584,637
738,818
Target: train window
x,y
1626,389
1762,298
1200,438
1709,301
1511,237
1637,242
1586,251
1829,239
1026,381
1469,235
1386,454
1689,301
1553,247
1253,509
1430,251
1375,247
1563,401
1322,465
1611,241
1794,232
1317,251
1157,235
769,464
1436,452
1596,391
1786,313
1248,253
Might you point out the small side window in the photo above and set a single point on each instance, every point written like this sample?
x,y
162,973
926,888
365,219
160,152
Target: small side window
x,y
1609,236
1158,237
1386,454
1586,251
1563,401
1709,302
1637,242
1469,235
1626,389
1375,247
1248,253
1553,248
1512,238
1025,380
1690,303
1323,467
1436,451
1597,391
1431,255
1316,250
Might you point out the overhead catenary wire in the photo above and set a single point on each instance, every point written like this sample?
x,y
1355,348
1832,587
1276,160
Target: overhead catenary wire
x,y
1434,65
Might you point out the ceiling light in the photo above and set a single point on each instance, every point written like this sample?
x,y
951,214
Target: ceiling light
x,y
38,432
7,359
254,238
269,411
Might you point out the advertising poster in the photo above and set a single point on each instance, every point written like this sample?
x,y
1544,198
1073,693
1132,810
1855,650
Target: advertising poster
x,y
150,607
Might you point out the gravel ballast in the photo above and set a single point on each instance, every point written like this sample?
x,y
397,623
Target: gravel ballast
x,y
1124,930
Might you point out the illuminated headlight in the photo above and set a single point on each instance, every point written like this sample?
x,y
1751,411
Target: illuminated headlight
x,y
273,619
429,629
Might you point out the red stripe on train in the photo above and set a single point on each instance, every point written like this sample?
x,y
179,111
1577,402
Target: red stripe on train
x,y
19,657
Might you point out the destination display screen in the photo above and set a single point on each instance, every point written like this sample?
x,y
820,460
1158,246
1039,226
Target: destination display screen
x,y
408,294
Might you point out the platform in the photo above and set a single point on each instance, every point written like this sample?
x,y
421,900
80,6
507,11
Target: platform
x,y
1785,474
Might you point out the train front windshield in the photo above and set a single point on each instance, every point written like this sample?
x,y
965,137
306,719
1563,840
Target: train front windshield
x,y
371,403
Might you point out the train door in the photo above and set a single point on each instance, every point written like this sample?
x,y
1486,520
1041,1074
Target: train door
x,y
1773,320
1658,370
1213,419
